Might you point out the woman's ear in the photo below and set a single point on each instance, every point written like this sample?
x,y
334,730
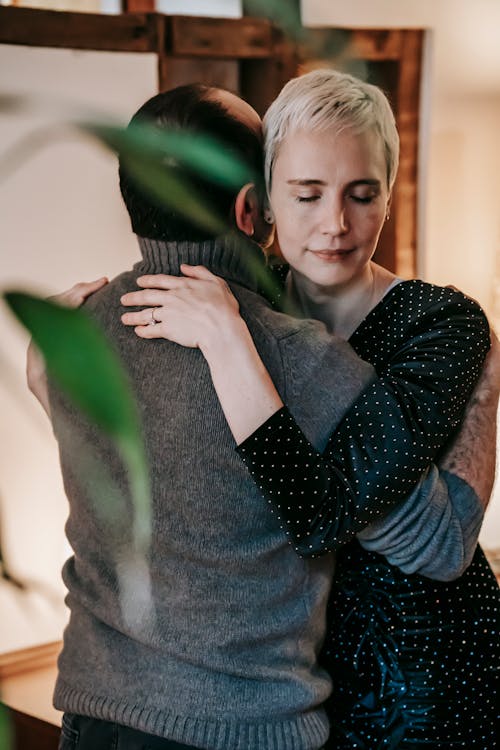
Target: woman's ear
x,y
388,207
268,214
246,209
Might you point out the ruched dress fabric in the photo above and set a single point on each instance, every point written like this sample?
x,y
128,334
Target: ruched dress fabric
x,y
415,663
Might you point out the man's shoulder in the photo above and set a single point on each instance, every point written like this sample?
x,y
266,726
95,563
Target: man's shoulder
x,y
259,312
105,306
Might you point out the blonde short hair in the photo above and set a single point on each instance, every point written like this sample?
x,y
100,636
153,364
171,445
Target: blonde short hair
x,y
330,100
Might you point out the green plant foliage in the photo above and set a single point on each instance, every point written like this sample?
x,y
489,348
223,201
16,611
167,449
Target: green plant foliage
x,y
160,160
6,742
165,162
206,156
81,362
284,13
327,45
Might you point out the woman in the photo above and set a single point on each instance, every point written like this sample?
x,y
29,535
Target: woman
x,y
408,656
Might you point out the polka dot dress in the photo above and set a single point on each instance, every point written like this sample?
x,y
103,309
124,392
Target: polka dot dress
x,y
415,663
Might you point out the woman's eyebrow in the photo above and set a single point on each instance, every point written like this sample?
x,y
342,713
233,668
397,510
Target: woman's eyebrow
x,y
305,182
367,181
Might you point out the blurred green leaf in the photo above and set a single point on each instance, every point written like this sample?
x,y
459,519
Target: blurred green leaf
x,y
6,739
205,155
157,160
79,357
81,362
321,43
169,188
284,13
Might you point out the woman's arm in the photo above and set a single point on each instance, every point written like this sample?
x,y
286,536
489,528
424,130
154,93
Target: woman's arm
x,y
203,312
435,531
336,488
390,436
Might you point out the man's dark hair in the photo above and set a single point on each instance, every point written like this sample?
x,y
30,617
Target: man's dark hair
x,y
188,108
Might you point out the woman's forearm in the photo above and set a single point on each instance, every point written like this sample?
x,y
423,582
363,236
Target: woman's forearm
x,y
199,310
243,385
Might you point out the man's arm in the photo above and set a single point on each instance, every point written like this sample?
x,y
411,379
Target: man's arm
x,y
435,531
472,454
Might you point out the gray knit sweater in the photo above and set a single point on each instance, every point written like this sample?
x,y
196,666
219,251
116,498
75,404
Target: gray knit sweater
x,y
227,659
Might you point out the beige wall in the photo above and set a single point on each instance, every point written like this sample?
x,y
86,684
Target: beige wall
x,y
460,175
462,238
62,220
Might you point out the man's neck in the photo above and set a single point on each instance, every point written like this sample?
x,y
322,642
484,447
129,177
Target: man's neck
x,y
232,256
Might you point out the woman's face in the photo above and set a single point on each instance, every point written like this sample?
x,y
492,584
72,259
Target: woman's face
x,y
329,197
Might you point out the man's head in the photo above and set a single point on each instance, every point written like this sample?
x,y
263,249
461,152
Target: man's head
x,y
220,114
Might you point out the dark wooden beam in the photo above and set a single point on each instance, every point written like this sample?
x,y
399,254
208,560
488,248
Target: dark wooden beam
x,y
238,38
262,80
97,31
376,44
138,6
410,67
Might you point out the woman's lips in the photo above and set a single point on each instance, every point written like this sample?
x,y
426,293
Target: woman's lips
x,y
332,255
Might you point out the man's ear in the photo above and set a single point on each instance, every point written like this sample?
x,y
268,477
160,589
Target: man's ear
x,y
246,209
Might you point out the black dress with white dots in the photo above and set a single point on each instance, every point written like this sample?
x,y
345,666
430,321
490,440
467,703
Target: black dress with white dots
x,y
415,663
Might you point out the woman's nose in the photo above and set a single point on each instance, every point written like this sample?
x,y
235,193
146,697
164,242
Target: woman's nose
x,y
334,220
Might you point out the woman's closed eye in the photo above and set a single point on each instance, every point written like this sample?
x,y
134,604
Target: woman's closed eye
x,y
307,198
363,198
363,194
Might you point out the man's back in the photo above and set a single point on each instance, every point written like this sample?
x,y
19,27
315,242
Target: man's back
x,y
228,659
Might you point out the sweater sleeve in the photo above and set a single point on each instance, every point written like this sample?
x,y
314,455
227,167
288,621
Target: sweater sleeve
x,y
387,440
434,532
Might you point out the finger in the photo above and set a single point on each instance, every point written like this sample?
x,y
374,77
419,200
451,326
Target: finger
x,y
148,332
143,298
198,272
160,281
142,317
79,292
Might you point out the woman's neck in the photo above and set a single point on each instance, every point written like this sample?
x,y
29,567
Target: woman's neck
x,y
341,308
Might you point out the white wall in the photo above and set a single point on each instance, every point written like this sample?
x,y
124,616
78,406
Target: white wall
x,y
462,239
214,8
460,127
62,220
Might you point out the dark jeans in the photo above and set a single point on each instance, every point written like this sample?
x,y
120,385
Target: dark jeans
x,y
83,733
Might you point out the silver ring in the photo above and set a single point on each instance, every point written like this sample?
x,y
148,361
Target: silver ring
x,y
153,320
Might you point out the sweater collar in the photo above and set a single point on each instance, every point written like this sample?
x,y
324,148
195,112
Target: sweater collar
x,y
232,256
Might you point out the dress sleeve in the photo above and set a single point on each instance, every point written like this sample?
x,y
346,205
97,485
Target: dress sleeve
x,y
386,441
434,532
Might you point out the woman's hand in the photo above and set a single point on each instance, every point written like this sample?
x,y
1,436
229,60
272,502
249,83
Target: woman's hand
x,y
199,310
194,310
35,365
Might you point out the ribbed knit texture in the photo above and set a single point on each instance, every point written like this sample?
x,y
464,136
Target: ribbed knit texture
x,y
434,532
226,660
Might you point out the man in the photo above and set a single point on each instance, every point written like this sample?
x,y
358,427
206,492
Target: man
x,y
227,657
